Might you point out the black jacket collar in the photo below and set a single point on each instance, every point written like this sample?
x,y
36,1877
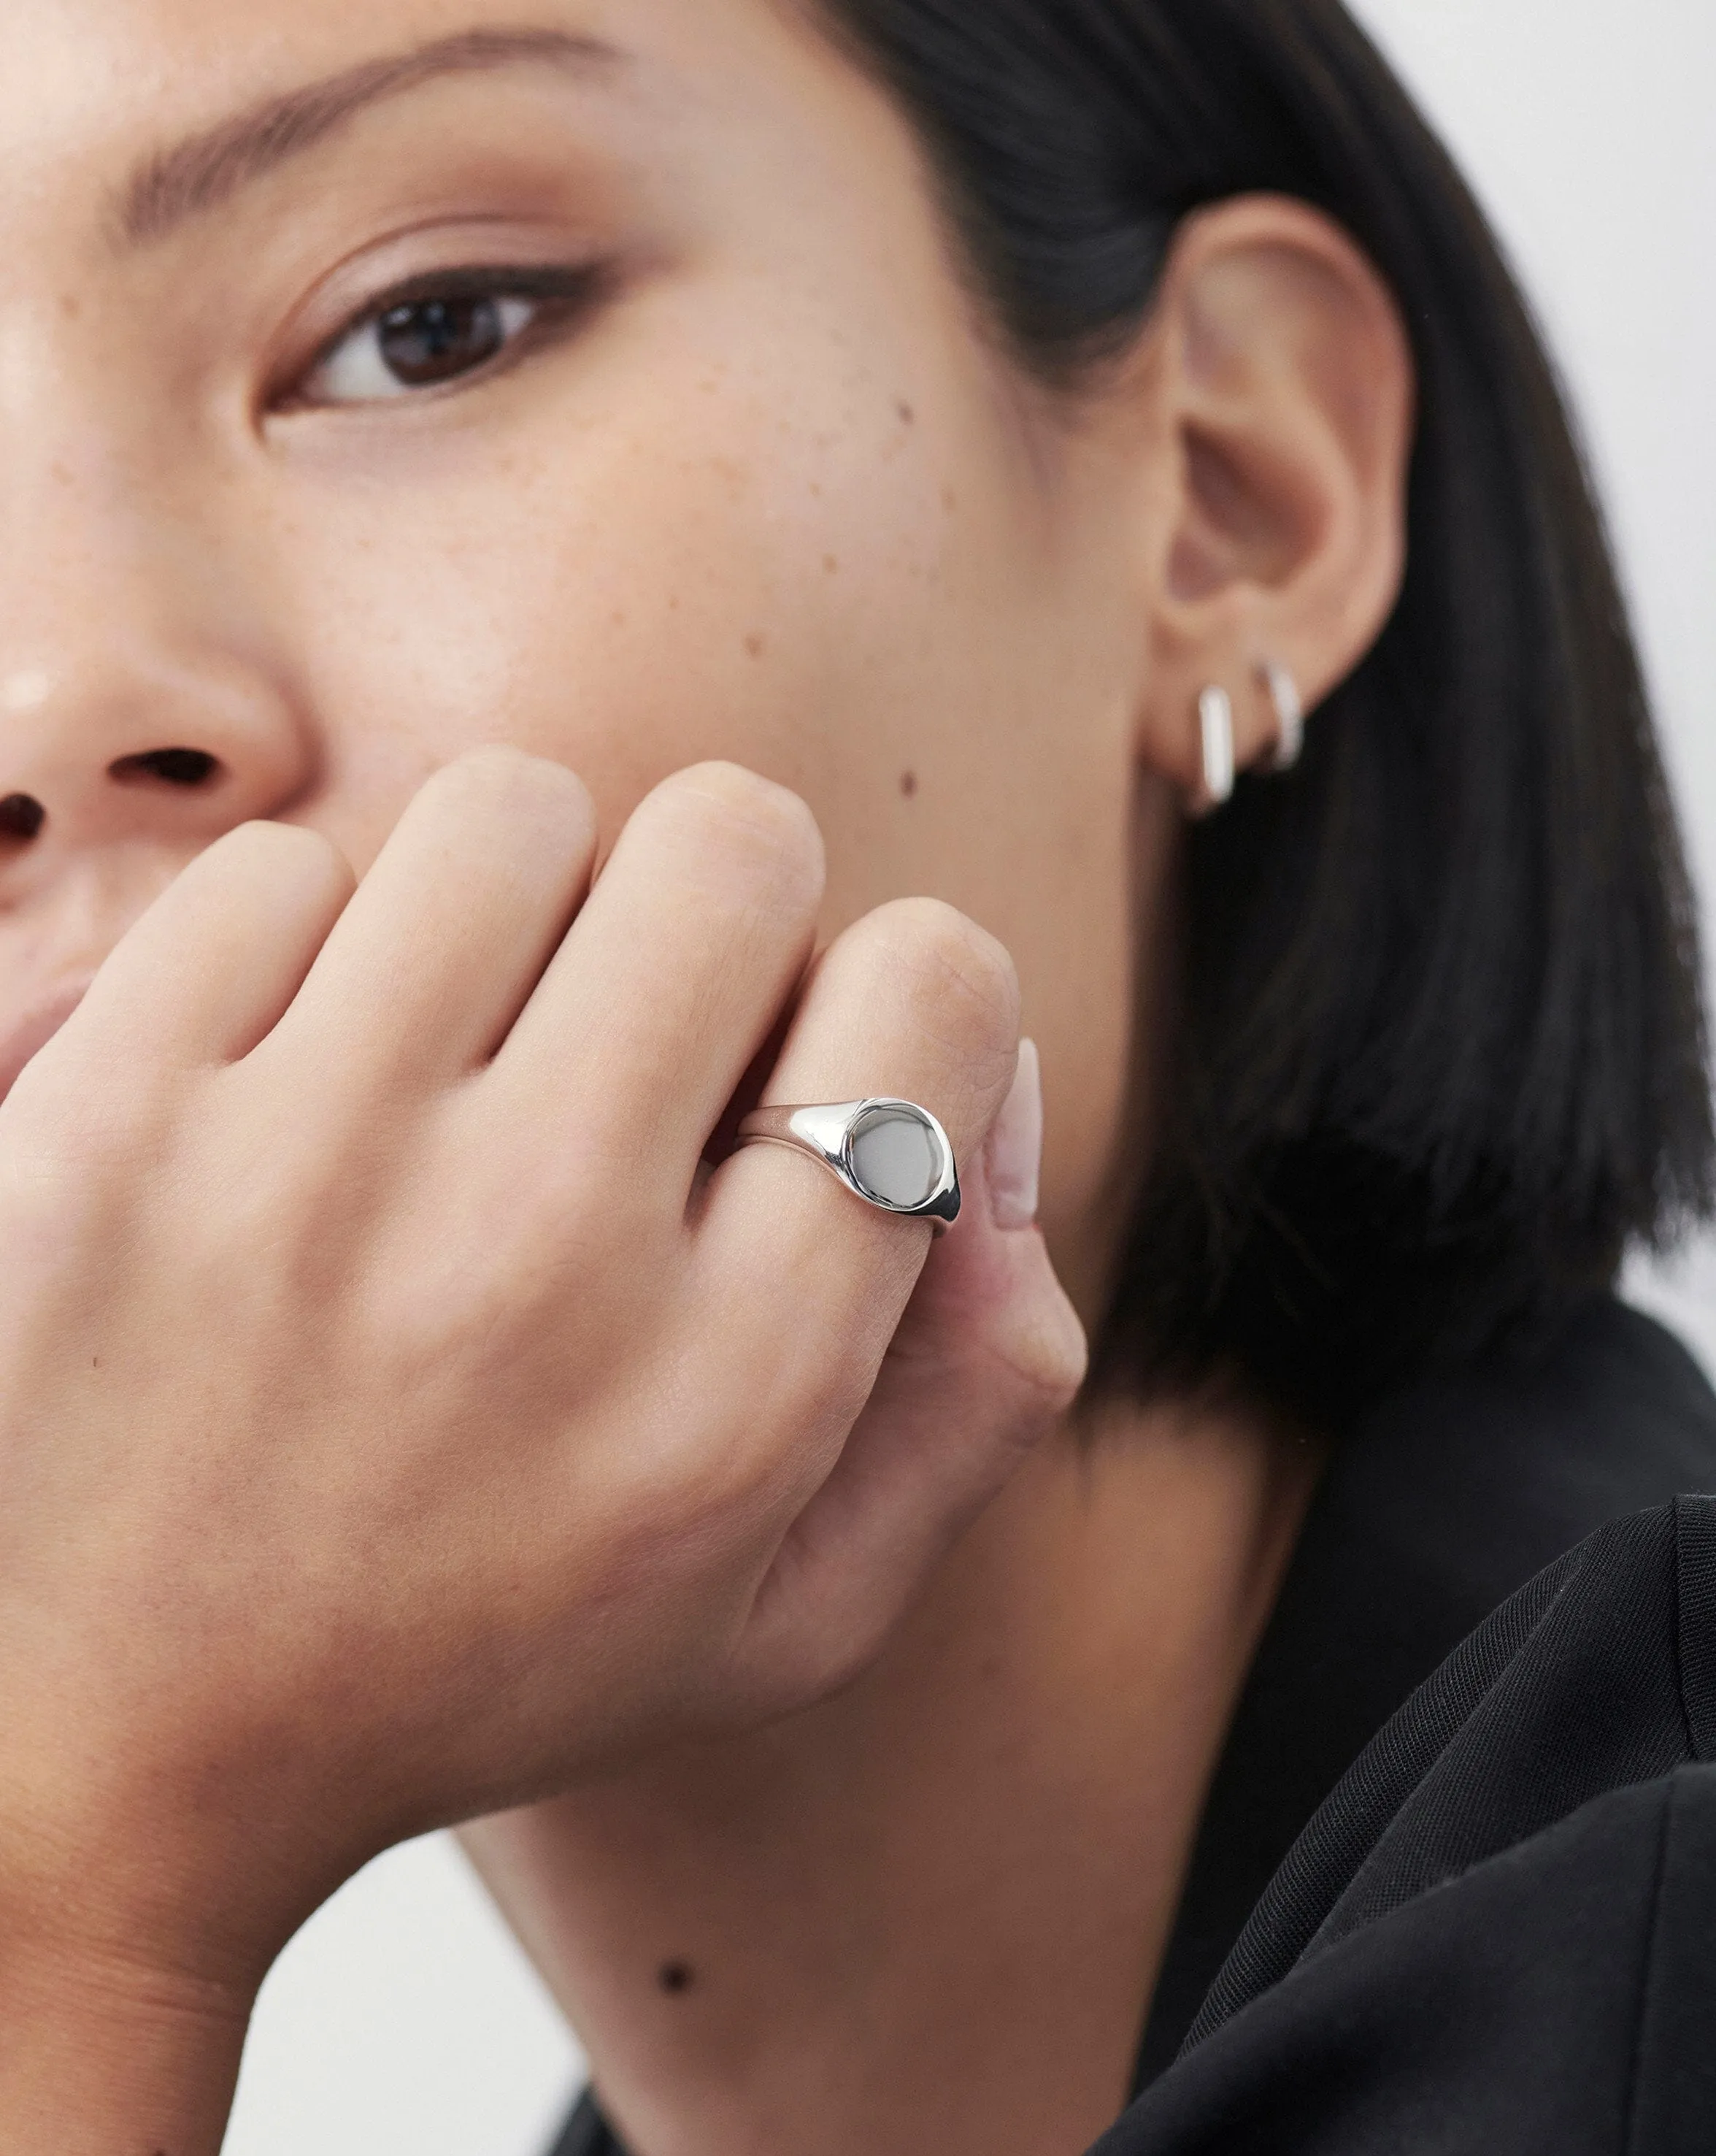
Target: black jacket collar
x,y
1435,1509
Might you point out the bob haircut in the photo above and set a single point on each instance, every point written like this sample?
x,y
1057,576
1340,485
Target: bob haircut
x,y
1441,1055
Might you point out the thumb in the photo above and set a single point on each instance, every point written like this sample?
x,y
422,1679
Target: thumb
x,y
988,1357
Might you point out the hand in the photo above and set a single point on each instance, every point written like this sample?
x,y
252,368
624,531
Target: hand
x,y
400,1418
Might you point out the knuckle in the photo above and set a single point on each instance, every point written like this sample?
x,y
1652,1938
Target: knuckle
x,y
747,823
510,783
845,1661
821,1655
74,1144
954,968
1045,1361
282,854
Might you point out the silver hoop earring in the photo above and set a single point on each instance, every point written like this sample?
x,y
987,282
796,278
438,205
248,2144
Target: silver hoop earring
x,y
1215,714
1289,714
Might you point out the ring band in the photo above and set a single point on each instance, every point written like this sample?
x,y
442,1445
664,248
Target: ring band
x,y
893,1154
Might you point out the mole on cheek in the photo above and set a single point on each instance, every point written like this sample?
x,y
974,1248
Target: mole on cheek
x,y
909,784
676,1978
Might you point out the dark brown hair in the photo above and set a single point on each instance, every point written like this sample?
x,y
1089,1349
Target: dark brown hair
x,y
1443,1056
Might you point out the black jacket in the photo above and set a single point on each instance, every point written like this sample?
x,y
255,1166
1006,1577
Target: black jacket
x,y
1479,1915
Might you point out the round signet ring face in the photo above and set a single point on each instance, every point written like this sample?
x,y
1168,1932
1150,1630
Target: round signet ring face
x,y
893,1154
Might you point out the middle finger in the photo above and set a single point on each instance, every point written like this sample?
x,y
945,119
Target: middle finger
x,y
697,932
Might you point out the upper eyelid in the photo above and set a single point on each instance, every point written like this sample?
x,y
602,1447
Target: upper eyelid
x,y
545,281
475,280
466,280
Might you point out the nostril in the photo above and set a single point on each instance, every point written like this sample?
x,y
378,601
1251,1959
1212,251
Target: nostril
x,y
167,766
20,816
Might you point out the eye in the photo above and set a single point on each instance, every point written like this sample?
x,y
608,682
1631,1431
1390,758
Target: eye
x,y
417,344
439,332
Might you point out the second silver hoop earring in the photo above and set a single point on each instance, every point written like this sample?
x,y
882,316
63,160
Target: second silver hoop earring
x,y
1215,713
1289,714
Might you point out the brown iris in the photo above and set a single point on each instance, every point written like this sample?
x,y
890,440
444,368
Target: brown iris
x,y
425,342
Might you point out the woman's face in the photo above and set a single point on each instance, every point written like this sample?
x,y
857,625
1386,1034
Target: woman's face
x,y
587,374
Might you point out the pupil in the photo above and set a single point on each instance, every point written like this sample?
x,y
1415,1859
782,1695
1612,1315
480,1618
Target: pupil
x,y
433,340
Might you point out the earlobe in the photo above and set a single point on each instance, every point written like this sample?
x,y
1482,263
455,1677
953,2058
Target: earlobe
x,y
1287,394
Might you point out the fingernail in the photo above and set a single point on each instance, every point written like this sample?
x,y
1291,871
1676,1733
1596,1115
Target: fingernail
x,y
1014,1156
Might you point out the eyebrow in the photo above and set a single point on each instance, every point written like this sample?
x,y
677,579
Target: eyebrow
x,y
206,170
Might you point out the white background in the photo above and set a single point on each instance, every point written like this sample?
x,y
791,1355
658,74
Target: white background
x,y
403,2022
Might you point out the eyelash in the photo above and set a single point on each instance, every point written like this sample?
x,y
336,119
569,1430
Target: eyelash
x,y
558,294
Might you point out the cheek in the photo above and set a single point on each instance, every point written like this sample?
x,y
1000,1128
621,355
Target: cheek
x,y
709,575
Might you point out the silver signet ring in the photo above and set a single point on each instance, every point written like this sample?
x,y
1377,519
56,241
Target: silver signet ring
x,y
893,1154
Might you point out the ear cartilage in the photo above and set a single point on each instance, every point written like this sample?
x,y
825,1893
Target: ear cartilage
x,y
1215,713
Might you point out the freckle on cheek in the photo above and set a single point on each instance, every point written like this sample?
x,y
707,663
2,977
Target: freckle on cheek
x,y
756,645
831,565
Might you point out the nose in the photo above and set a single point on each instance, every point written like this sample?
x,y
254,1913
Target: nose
x,y
141,714
116,742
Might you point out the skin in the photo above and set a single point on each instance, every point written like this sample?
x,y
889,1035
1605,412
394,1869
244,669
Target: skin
x,y
867,1697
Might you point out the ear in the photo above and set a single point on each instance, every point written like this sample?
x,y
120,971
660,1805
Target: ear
x,y
1285,387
